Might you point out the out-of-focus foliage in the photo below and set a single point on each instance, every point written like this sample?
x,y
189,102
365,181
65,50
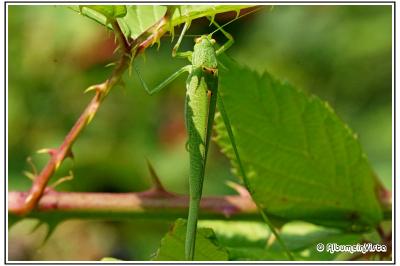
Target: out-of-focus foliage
x,y
340,53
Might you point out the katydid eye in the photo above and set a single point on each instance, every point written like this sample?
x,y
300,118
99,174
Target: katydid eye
x,y
197,40
212,41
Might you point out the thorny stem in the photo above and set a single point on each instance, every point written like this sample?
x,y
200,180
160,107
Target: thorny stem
x,y
148,204
123,42
101,90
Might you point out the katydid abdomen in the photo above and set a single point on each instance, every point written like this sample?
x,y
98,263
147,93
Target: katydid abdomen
x,y
196,124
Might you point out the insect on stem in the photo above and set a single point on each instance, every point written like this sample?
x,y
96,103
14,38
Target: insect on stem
x,y
200,106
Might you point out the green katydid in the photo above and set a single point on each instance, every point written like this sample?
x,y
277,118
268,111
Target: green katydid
x,y
200,106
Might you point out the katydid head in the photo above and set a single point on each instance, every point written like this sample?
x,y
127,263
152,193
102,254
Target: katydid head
x,y
204,38
204,52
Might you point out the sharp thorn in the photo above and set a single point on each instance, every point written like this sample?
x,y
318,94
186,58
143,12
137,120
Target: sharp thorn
x,y
110,64
63,179
29,175
241,190
91,88
50,152
97,88
70,154
32,165
156,180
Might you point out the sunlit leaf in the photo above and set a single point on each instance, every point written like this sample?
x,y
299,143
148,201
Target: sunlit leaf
x,y
139,18
301,161
109,11
101,14
247,240
173,245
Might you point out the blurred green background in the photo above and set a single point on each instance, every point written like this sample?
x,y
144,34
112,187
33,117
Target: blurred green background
x,y
343,54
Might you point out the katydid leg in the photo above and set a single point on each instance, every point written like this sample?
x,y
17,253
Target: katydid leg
x,y
226,45
165,82
229,130
175,52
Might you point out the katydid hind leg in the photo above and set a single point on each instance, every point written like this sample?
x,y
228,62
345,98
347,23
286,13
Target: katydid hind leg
x,y
229,130
165,83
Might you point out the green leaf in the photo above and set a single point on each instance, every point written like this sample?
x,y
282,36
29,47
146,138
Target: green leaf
x,y
302,238
246,240
238,234
301,161
301,235
109,11
254,254
138,19
190,12
133,20
172,246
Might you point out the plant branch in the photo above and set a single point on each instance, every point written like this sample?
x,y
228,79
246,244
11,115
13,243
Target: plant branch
x,y
148,204
58,155
124,44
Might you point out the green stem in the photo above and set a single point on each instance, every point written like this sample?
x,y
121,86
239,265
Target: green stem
x,y
275,233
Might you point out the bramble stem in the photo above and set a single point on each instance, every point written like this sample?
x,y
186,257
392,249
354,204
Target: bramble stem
x,y
148,204
58,155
